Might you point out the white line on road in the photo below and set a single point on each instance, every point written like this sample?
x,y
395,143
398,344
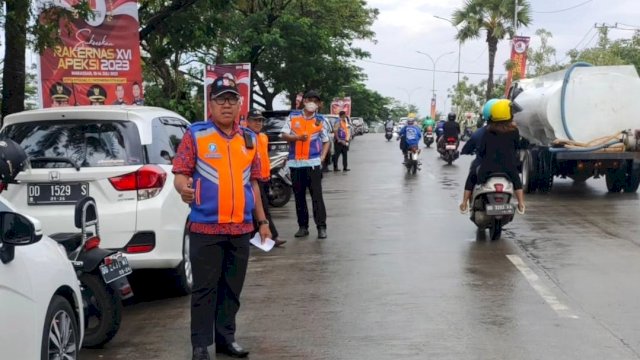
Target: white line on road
x,y
561,309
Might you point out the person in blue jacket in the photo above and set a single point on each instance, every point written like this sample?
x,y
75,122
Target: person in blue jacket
x,y
439,129
409,136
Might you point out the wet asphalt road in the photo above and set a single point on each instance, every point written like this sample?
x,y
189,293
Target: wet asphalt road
x,y
404,276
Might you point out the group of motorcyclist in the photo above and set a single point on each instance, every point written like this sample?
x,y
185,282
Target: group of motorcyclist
x,y
495,144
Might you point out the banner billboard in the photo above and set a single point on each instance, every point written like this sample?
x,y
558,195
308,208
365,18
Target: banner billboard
x,y
241,74
341,104
98,59
519,47
433,107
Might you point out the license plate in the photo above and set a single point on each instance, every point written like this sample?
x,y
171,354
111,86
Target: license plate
x,y
56,194
118,268
501,209
450,147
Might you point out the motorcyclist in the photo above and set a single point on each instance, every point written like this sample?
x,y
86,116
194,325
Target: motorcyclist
x,y
439,129
388,126
409,136
428,122
451,129
471,147
498,152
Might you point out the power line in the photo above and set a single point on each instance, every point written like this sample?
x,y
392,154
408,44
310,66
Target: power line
x,y
562,10
425,69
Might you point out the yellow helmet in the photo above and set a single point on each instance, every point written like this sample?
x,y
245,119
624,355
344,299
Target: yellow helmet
x,y
501,111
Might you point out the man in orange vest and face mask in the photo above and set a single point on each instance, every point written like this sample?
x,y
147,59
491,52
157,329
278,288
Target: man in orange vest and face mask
x,y
308,146
217,171
342,132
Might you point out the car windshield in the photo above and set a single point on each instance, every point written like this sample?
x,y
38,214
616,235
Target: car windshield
x,y
274,124
86,143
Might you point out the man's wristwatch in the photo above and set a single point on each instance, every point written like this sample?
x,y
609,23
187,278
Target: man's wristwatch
x,y
263,222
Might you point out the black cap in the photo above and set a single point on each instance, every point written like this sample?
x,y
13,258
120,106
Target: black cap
x,y
97,93
255,114
312,94
59,92
223,85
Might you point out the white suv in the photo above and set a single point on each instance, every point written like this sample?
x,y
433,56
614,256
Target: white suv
x,y
122,157
41,314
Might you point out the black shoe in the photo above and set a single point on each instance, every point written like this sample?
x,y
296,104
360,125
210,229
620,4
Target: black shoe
x,y
302,232
335,169
233,349
200,353
322,233
325,170
346,169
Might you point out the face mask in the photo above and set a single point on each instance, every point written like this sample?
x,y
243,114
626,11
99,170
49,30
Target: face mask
x,y
311,107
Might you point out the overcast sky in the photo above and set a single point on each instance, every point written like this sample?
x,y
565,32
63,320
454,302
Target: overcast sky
x,y
406,26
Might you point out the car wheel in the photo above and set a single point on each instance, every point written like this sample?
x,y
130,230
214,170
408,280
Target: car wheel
x,y
184,271
60,335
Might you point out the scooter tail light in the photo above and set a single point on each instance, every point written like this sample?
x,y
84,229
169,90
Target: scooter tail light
x,y
92,243
499,187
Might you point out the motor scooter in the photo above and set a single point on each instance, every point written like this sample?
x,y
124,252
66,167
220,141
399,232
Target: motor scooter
x,y
428,137
280,184
449,152
413,163
491,206
102,274
388,134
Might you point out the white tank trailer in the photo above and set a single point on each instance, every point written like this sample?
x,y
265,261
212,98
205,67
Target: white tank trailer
x,y
580,123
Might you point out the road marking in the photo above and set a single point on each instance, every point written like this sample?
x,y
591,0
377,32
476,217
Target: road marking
x,y
561,309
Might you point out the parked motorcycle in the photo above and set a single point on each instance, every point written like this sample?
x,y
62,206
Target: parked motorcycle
x,y
450,151
413,163
280,186
388,134
102,274
428,137
490,205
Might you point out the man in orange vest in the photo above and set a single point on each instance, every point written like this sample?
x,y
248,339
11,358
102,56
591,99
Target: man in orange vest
x,y
255,120
216,172
342,131
309,145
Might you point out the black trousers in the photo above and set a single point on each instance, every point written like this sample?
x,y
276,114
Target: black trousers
x,y
340,149
219,264
264,195
309,178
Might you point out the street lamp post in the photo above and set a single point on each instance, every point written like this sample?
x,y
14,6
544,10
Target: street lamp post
x,y
434,63
459,43
409,93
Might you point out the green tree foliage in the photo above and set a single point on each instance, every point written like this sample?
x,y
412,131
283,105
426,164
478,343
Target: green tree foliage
x,y
21,28
607,52
494,18
541,60
469,97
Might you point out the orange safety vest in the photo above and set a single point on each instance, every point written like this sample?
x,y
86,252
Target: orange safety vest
x,y
343,131
263,154
222,177
312,148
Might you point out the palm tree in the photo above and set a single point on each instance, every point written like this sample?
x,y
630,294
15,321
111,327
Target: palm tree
x,y
496,18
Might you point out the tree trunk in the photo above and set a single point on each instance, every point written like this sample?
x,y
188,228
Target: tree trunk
x,y
14,74
266,95
492,41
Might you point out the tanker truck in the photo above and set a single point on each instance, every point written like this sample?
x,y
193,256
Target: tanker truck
x,y
580,123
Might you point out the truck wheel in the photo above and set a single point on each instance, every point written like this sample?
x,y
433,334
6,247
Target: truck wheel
x,y
528,183
545,172
632,181
615,180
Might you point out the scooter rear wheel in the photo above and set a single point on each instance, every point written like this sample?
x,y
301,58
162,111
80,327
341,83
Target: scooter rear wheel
x,y
495,230
102,311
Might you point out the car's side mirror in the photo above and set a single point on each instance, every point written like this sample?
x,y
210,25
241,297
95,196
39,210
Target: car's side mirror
x,y
15,230
165,155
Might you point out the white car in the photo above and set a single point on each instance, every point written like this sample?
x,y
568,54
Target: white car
x,y
119,155
41,314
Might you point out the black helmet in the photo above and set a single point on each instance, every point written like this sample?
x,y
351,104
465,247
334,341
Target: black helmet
x,y
13,160
451,116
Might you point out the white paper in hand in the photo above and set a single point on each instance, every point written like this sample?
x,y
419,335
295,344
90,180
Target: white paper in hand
x,y
257,242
